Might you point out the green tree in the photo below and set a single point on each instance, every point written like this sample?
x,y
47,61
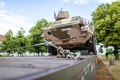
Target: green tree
x,y
15,44
35,36
8,43
108,52
20,42
106,20
101,49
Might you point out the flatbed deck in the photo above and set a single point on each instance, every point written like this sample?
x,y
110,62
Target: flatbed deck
x,y
27,68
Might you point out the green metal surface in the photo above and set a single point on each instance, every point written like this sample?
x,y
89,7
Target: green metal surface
x,y
82,70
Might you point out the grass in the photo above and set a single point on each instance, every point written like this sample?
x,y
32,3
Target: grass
x,y
113,69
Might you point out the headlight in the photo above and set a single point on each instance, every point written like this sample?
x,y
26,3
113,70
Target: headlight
x,y
49,33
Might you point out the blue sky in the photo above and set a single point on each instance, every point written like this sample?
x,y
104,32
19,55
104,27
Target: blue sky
x,y
25,13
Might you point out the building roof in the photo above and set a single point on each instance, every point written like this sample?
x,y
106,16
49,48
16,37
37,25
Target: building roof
x,y
2,37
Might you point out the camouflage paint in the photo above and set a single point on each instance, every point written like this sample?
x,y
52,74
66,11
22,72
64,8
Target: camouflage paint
x,y
69,32
61,34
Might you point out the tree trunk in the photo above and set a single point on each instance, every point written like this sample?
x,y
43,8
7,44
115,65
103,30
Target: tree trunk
x,y
38,54
116,56
116,53
106,55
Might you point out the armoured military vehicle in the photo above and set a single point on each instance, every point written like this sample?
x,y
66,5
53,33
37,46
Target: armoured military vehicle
x,y
73,33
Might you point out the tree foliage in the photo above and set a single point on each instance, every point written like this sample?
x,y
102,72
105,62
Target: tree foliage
x,y
109,50
35,36
101,49
13,44
21,43
8,43
106,20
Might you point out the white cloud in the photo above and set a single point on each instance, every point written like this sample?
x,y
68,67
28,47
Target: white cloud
x,y
2,4
106,1
82,2
13,21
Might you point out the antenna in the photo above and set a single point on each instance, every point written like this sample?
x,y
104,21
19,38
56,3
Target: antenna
x,y
55,16
61,9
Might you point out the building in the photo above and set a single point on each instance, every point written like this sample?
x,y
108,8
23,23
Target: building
x,y
2,37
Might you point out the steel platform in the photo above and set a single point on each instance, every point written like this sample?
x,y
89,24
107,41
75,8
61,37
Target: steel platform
x,y
44,68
